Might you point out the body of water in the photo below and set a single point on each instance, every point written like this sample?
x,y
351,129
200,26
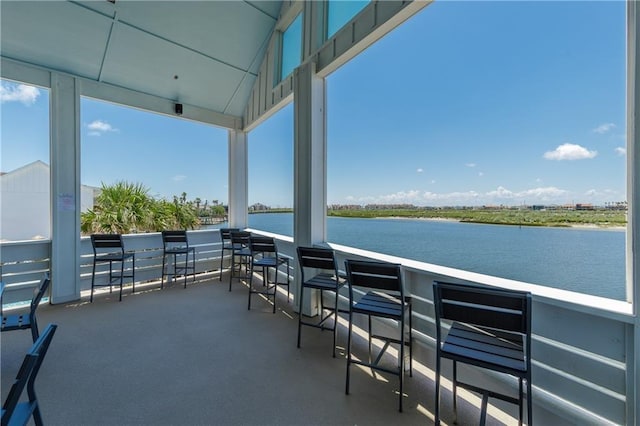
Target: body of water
x,y
589,261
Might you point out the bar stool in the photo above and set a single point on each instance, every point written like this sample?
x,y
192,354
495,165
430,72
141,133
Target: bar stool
x,y
176,244
108,248
225,239
240,255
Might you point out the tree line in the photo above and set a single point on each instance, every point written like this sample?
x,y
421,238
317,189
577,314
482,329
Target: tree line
x,y
127,207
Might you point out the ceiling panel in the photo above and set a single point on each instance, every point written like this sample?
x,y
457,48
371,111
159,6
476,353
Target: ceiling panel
x,y
229,31
152,63
214,47
55,35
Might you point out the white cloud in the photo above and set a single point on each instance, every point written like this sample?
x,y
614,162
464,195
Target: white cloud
x,y
470,164
480,174
10,92
420,170
179,178
604,128
569,151
499,196
621,151
98,127
433,181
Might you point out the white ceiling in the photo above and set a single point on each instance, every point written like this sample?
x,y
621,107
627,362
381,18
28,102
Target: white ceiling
x,y
213,47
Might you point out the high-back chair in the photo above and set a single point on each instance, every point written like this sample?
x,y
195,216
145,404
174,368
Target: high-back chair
x,y
225,241
264,256
176,246
384,297
23,321
15,412
240,255
319,271
109,248
489,328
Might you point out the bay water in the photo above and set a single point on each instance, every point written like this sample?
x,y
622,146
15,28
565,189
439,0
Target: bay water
x,y
590,261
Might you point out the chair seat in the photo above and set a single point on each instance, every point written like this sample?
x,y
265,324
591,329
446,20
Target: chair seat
x,y
113,257
179,250
484,347
380,304
269,261
324,282
242,252
16,322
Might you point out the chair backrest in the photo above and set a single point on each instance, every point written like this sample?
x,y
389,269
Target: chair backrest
x,y
240,238
375,275
39,293
262,245
174,237
27,374
225,233
106,241
499,309
318,258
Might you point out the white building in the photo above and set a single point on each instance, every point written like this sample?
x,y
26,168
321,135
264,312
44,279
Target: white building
x,y
25,200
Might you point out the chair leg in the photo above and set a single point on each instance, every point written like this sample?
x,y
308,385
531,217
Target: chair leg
x,y
231,268
93,279
37,417
186,271
335,324
250,287
529,401
437,391
401,372
410,341
300,312
133,273
349,349
221,260
455,391
164,260
34,328
121,278
275,286
110,276
520,401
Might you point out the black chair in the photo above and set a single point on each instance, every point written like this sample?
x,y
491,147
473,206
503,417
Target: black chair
x,y
240,255
325,278
225,240
176,245
384,298
15,412
490,328
109,248
24,321
264,255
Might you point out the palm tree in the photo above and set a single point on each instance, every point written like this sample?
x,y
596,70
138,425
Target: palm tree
x,y
120,208
125,208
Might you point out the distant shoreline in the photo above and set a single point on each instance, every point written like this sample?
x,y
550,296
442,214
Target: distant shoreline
x,y
590,226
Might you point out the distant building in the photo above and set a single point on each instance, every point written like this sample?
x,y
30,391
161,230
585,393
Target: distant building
x,y
25,202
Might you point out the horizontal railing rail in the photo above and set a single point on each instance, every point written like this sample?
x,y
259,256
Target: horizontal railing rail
x,y
582,345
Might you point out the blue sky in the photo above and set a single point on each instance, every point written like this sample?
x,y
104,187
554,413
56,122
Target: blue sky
x,y
467,103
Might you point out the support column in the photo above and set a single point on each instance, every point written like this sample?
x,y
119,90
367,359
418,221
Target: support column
x,y
633,213
65,188
310,155
238,179
310,168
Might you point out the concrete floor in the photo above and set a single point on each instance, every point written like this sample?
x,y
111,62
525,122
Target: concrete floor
x,y
197,356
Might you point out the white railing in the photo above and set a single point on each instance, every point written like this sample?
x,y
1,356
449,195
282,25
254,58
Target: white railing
x,y
582,346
